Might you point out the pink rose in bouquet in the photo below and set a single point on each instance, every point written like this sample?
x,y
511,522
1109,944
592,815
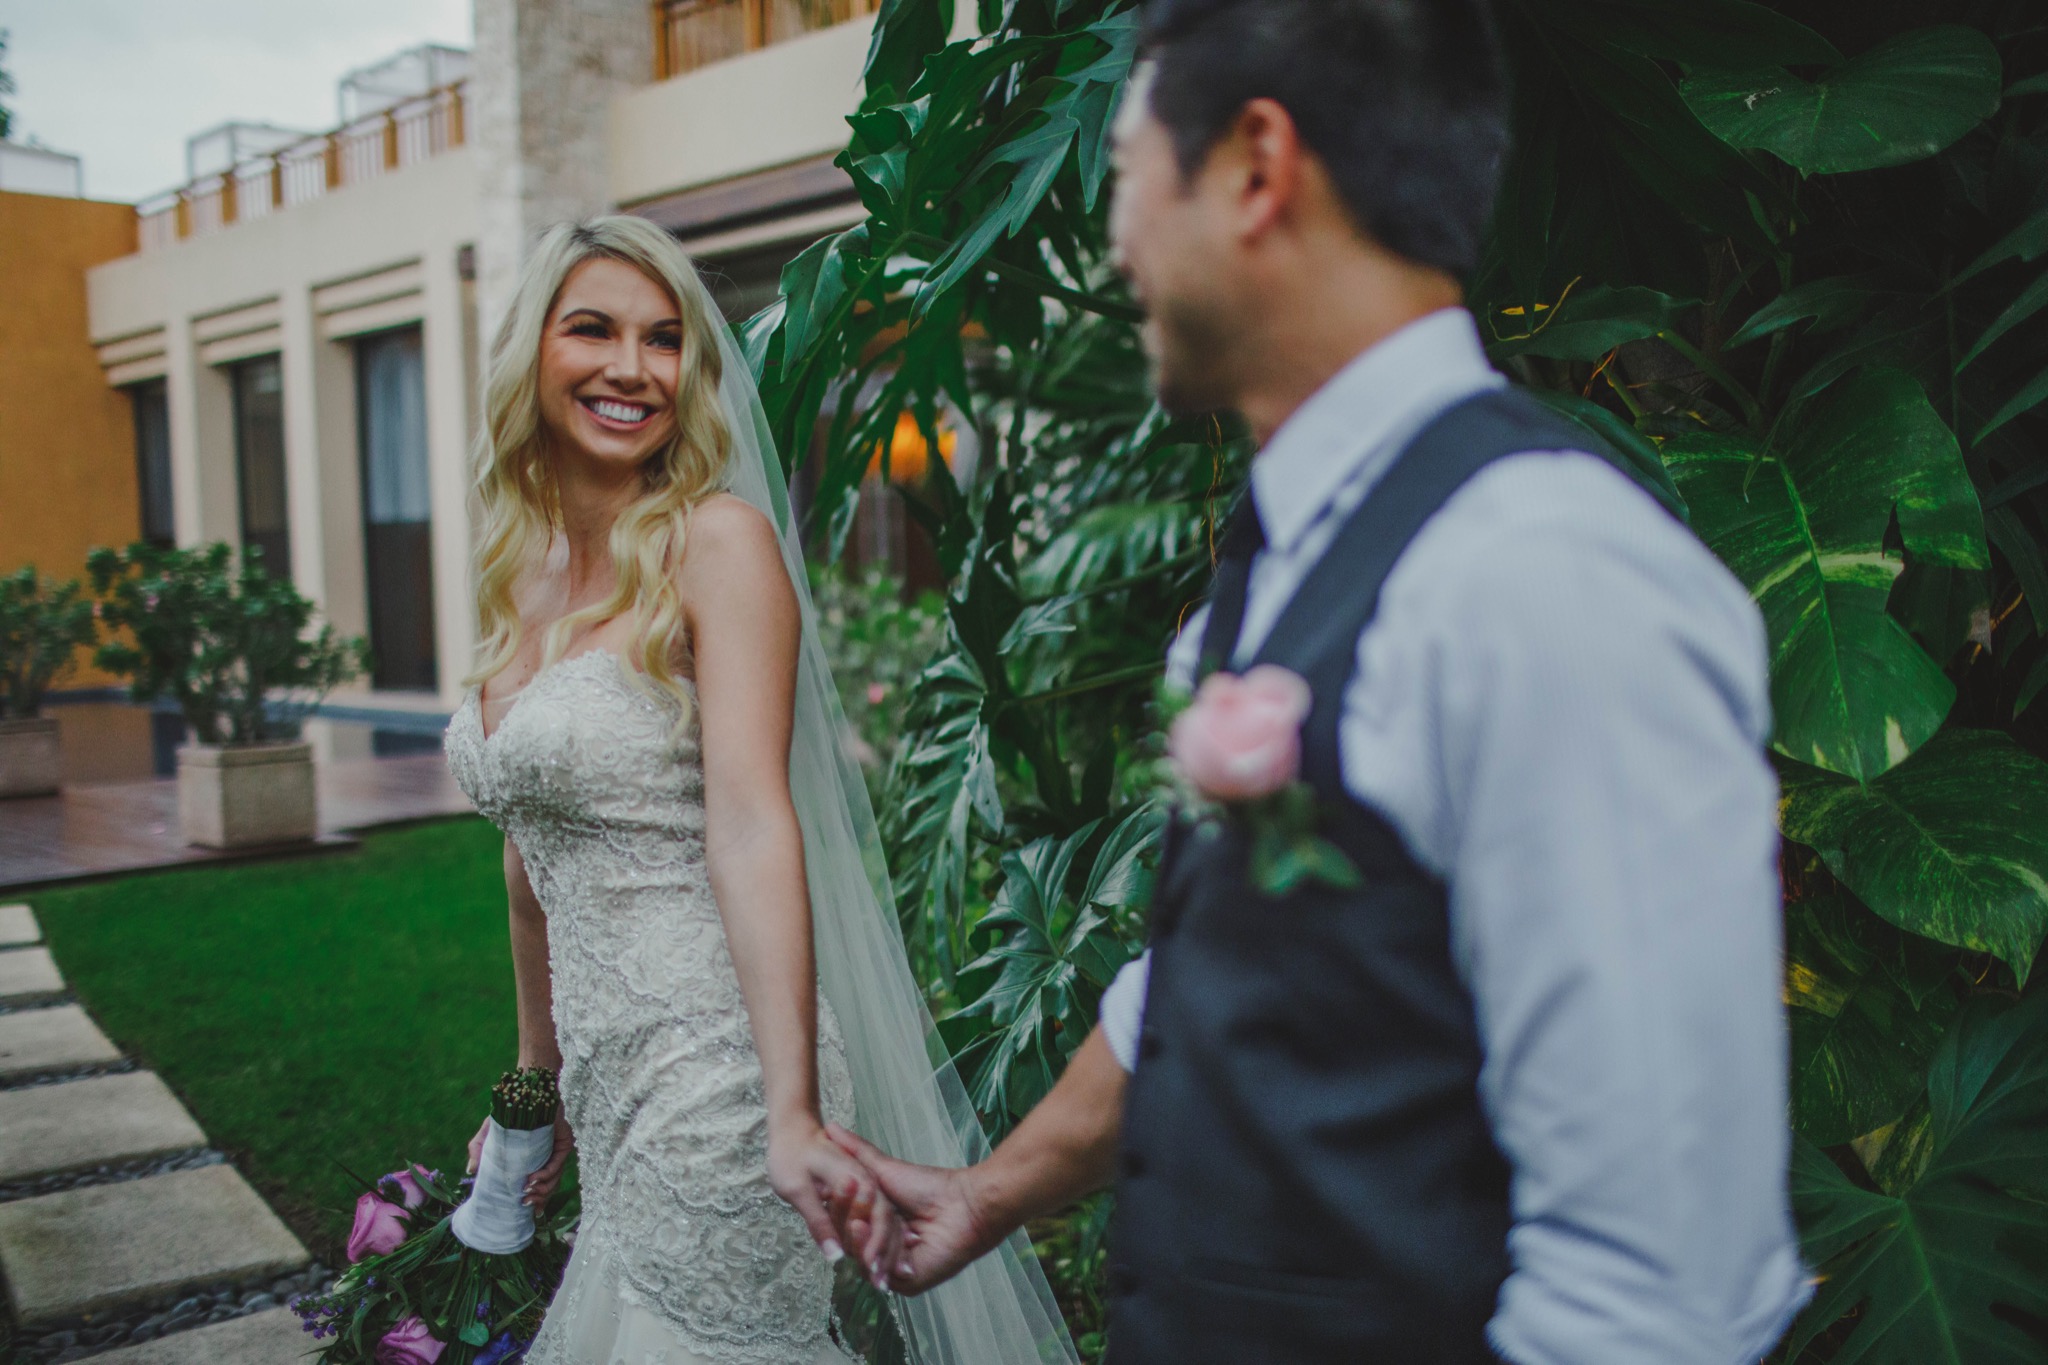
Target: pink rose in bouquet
x,y
408,1187
379,1228
381,1225
409,1343
1240,738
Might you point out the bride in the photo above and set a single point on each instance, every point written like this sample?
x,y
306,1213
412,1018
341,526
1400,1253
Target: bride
x,y
701,937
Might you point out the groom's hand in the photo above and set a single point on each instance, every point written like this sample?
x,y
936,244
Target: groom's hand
x,y
943,1228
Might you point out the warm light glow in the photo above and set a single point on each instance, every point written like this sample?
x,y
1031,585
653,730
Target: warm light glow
x,y
910,453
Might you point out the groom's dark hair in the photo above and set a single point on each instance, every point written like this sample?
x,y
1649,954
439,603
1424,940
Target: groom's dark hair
x,y
1403,101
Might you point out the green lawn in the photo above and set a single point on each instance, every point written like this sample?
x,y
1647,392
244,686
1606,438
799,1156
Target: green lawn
x,y
352,1007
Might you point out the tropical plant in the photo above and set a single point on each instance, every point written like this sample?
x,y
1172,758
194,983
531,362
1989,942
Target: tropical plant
x,y
43,623
1789,260
232,644
6,88
877,643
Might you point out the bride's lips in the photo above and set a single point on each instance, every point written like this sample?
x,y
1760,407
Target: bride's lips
x,y
618,414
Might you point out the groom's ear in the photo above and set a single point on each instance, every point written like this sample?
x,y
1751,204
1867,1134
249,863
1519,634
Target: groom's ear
x,y
1261,159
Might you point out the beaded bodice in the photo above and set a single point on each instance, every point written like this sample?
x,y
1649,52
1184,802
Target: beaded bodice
x,y
602,792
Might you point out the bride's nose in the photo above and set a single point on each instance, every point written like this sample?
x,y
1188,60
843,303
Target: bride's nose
x,y
625,366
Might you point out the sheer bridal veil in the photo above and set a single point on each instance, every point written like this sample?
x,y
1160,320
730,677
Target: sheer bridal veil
x,y
908,1098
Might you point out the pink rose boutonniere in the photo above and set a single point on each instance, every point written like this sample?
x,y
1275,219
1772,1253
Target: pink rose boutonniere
x,y
1235,749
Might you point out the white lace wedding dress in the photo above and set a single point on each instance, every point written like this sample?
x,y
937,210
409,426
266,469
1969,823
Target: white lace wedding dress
x,y
685,1255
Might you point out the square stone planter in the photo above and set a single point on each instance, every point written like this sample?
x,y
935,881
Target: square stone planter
x,y
243,797
31,760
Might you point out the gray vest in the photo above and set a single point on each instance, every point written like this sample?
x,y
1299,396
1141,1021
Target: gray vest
x,y
1306,1174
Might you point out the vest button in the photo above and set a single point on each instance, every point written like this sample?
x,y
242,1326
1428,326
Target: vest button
x,y
1122,1280
1149,1044
1134,1164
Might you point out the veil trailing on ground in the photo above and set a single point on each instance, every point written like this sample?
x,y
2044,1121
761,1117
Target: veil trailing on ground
x,y
909,1099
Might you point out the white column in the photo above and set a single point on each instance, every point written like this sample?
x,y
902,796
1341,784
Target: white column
x,y
212,393
181,400
546,74
449,383
302,479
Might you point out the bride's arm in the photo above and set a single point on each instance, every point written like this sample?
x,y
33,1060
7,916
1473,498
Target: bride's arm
x,y
531,975
744,631
533,982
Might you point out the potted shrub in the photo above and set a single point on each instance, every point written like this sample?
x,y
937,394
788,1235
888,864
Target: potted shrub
x,y
235,647
42,625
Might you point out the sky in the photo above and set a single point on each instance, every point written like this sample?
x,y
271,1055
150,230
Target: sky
x,y
123,83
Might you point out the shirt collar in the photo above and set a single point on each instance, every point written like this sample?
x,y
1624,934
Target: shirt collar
x,y
1355,424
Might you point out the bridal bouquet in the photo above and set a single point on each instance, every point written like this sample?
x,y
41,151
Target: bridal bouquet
x,y
1235,749
438,1276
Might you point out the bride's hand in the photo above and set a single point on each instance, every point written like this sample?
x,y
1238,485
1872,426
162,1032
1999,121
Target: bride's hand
x,y
837,1197
541,1185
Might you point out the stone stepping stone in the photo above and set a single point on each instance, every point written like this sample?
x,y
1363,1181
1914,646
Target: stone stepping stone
x,y
54,1039
45,1129
272,1337
28,975
109,1245
18,927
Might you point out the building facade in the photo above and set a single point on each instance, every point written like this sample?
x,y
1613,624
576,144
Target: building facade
x,y
67,474
296,336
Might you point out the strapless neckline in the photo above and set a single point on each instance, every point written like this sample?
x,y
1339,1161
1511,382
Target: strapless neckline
x,y
475,698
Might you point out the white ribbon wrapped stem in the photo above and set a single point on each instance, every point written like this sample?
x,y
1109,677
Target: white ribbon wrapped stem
x,y
493,1220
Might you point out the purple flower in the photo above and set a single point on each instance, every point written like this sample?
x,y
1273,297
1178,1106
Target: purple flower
x,y
506,1350
409,1343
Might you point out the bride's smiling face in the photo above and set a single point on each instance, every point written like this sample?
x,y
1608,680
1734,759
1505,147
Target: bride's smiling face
x,y
609,362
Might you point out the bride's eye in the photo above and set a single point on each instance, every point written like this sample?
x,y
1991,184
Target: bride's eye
x,y
589,329
666,341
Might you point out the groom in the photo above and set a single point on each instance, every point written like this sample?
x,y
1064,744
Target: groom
x,y
1521,1095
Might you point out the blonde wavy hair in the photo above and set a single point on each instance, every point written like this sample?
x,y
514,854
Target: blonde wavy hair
x,y
515,477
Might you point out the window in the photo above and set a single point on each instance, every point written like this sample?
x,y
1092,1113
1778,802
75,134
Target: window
x,y
391,422
259,461
153,460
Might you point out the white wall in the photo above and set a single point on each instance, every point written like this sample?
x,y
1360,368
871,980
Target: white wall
x,y
302,283
37,170
767,108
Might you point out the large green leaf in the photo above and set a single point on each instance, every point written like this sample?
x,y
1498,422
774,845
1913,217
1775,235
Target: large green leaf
x,y
1867,1010
1058,953
1721,32
1805,529
944,780
1946,1267
1952,844
1831,303
1113,541
812,287
1644,463
1590,322
1904,100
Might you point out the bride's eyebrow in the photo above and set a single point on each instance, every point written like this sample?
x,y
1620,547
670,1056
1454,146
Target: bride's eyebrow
x,y
595,314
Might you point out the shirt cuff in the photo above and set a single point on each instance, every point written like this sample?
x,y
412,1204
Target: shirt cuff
x,y
1123,1011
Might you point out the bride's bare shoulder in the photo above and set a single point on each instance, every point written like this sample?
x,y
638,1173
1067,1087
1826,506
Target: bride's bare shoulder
x,y
728,536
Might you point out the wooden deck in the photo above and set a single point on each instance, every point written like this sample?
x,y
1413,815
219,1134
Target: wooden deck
x,y
99,830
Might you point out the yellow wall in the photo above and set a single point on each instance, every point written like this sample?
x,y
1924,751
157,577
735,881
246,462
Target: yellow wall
x,y
67,441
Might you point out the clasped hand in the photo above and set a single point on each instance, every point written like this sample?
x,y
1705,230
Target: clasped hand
x,y
840,1200
937,1228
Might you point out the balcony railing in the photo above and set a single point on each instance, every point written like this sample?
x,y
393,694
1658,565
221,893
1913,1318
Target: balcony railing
x,y
689,34
403,135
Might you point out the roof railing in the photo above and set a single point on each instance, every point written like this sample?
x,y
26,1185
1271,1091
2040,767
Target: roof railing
x,y
689,34
406,134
